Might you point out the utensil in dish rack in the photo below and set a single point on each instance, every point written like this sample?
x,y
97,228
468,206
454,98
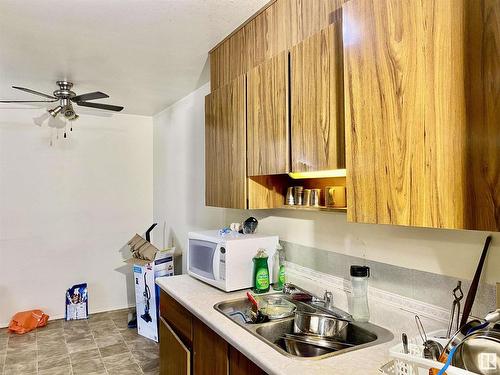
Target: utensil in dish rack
x,y
458,294
432,349
404,338
471,295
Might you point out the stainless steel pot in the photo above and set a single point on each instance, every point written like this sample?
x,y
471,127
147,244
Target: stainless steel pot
x,y
457,338
308,346
322,325
303,349
479,352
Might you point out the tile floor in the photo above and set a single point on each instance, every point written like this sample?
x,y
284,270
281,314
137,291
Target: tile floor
x,y
100,345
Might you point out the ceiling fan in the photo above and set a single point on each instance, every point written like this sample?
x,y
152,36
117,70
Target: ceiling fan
x,y
66,98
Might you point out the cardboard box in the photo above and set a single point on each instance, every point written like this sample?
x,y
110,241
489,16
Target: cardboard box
x,y
147,293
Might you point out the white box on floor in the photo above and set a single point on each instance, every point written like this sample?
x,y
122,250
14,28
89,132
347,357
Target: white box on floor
x,y
147,292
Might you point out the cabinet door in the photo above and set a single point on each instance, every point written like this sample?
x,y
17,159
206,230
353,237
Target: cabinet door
x,y
317,115
175,357
225,146
409,135
177,316
267,117
210,355
241,365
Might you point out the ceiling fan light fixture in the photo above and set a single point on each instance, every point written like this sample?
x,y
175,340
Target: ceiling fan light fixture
x,y
68,111
55,111
66,98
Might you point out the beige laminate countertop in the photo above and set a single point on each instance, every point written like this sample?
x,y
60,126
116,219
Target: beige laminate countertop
x,y
200,298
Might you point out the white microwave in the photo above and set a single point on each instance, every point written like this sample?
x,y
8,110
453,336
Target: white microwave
x,y
225,261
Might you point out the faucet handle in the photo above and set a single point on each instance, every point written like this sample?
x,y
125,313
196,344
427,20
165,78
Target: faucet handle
x,y
328,297
287,288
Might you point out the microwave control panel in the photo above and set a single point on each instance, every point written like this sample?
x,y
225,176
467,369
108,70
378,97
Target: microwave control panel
x,y
222,264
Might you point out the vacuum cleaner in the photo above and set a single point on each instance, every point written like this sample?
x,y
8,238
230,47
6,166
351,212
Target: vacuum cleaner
x,y
147,296
132,319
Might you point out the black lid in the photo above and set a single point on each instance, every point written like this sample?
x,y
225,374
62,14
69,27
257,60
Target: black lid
x,y
360,271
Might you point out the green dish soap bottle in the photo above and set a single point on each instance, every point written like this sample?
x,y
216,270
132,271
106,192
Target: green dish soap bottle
x,y
279,268
260,272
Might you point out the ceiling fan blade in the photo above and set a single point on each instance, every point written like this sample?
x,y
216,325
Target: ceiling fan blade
x,y
89,96
109,107
33,92
28,101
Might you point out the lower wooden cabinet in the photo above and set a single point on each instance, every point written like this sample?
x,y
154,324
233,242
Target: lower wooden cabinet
x,y
241,365
209,351
175,357
205,352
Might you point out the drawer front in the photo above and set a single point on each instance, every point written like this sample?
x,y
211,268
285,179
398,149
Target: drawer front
x,y
177,316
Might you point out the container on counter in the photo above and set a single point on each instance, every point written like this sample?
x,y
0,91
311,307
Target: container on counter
x,y
279,268
359,282
260,272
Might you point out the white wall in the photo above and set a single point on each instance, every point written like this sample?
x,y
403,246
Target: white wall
x,y
179,197
445,252
179,172
66,211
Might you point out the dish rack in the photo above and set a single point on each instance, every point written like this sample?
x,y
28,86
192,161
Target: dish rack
x,y
414,362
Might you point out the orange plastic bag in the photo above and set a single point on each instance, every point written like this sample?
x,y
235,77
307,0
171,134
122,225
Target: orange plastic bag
x,y
26,321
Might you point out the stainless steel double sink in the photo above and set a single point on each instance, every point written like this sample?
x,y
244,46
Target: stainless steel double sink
x,y
359,335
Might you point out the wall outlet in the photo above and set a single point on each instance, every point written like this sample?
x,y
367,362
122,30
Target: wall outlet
x,y
498,295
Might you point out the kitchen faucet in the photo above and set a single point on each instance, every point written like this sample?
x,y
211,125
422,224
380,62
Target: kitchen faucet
x,y
327,297
326,301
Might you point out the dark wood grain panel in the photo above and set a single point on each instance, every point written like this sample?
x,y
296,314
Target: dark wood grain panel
x,y
175,357
241,365
225,146
483,115
316,90
180,318
267,118
210,351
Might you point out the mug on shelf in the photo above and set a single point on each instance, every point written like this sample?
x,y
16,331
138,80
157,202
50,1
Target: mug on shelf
x,y
335,196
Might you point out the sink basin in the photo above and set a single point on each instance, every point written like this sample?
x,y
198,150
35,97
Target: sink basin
x,y
359,335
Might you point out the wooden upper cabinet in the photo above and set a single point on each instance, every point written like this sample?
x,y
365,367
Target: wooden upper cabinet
x,y
483,115
225,146
422,112
316,91
278,27
267,117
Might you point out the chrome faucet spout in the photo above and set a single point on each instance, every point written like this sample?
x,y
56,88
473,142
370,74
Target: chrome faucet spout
x,y
326,303
328,299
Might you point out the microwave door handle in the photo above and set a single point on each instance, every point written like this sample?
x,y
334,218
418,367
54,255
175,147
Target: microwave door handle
x,y
216,262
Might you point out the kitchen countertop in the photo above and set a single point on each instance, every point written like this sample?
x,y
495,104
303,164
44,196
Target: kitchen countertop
x,y
200,298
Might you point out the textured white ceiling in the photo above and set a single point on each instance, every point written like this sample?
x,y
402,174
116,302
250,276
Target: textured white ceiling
x,y
145,54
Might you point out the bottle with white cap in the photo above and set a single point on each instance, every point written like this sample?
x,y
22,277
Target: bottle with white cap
x,y
359,282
